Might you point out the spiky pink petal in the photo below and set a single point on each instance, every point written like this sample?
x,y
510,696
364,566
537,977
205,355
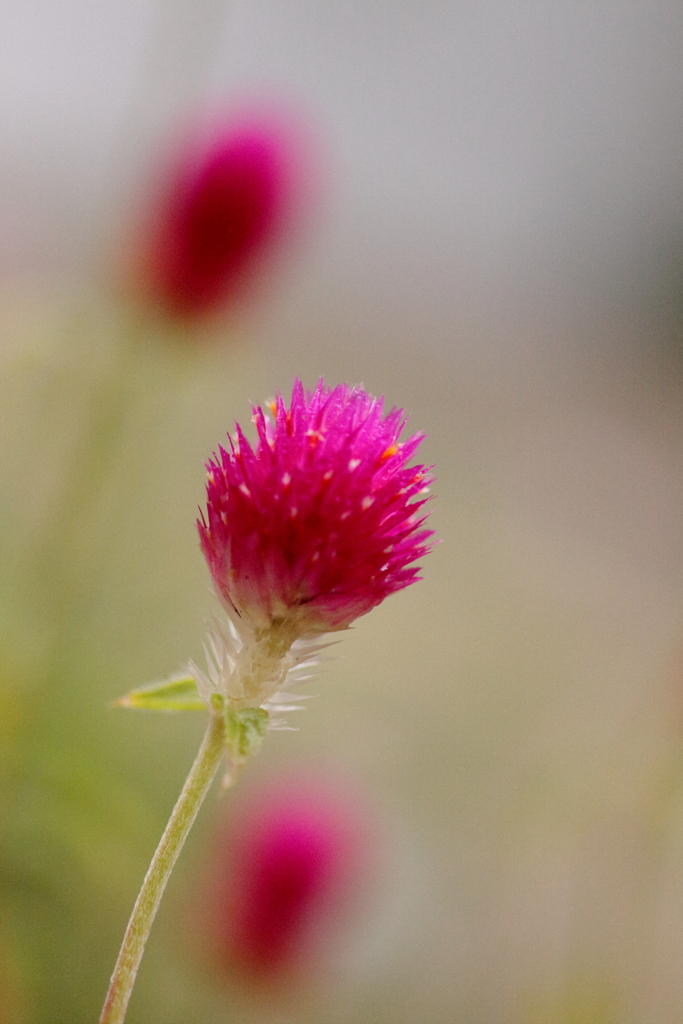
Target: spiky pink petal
x,y
322,519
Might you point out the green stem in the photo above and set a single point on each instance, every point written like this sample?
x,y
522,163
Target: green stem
x,y
184,813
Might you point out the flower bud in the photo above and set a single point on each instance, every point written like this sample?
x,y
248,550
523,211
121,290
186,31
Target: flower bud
x,y
287,875
308,530
224,204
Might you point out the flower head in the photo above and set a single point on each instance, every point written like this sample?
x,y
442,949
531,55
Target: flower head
x,y
288,875
318,522
225,201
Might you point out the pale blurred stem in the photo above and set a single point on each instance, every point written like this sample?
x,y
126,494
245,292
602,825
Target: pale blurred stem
x,y
101,428
113,399
95,451
184,813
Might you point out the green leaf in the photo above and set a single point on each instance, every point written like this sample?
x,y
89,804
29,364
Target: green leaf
x,y
178,694
244,731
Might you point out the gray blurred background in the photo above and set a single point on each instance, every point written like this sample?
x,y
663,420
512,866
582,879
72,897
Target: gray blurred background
x,y
497,246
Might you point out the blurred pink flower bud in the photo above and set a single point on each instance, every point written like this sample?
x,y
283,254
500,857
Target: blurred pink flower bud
x,y
293,863
225,202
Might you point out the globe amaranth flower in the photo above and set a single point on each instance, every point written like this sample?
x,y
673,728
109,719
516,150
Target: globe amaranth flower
x,y
288,876
225,201
309,529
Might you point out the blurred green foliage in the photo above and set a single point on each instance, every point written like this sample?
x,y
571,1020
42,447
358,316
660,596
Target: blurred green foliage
x,y
100,581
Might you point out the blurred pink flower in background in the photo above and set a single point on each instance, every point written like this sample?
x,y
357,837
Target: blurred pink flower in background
x,y
220,207
287,875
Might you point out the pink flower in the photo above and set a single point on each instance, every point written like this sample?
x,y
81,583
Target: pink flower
x,y
223,205
320,521
285,877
